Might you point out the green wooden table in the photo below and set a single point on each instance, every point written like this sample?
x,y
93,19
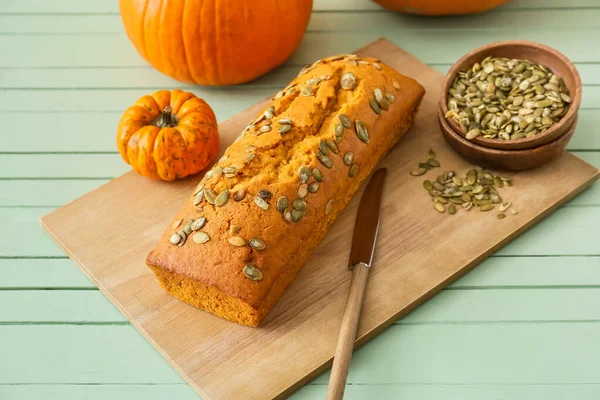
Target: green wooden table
x,y
524,325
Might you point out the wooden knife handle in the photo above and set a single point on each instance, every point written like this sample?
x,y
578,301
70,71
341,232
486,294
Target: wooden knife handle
x,y
345,344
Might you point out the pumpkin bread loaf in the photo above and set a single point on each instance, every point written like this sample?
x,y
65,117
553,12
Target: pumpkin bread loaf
x,y
260,212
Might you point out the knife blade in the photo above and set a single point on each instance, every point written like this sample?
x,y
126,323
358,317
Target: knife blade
x,y
361,256
367,221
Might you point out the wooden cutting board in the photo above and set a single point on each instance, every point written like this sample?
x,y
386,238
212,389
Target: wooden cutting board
x,y
109,232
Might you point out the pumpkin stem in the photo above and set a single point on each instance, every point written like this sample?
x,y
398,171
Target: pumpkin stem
x,y
166,119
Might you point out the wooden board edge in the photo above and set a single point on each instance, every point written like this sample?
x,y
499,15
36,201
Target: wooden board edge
x,y
367,336
123,311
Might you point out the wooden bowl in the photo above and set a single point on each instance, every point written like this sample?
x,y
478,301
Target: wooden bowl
x,y
510,160
534,52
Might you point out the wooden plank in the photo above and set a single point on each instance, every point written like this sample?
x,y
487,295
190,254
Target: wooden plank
x,y
309,312
57,306
495,272
451,359
47,193
430,46
456,392
99,392
326,22
421,354
96,354
117,100
104,166
78,7
235,99
448,307
54,132
39,166
569,231
148,78
312,391
42,274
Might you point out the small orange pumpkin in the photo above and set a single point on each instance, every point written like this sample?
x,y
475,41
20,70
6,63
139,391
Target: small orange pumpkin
x,y
439,7
213,42
168,135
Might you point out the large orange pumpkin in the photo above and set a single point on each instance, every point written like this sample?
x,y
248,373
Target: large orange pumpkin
x,y
168,135
440,7
213,42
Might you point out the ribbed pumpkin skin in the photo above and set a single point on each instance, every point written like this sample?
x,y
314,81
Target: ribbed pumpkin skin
x,y
176,150
215,42
439,7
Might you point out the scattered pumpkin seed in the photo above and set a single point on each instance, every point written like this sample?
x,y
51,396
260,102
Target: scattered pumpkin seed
x,y
188,227
316,173
175,239
230,171
288,216
263,205
345,120
323,147
282,203
348,81
183,236
348,158
332,146
257,244
433,162
210,195
304,174
361,131
306,91
452,208
200,237
252,272
500,215
222,198
418,171
375,106
299,204
177,223
427,185
264,193
237,241
284,128
328,206
514,212
439,206
297,215
396,84
487,207
198,198
353,171
313,187
390,97
235,229
339,129
505,206
303,190
326,161
239,195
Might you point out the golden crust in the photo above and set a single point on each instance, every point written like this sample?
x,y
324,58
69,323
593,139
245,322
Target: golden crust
x,y
210,275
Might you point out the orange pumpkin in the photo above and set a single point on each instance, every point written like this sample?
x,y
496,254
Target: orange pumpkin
x,y
168,135
214,42
439,7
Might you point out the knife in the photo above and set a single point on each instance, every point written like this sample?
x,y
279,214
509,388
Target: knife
x,y
361,256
